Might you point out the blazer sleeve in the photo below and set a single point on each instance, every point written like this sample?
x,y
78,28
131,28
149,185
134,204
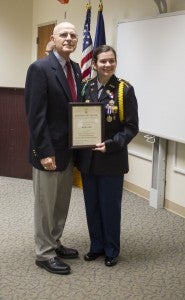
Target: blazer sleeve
x,y
36,107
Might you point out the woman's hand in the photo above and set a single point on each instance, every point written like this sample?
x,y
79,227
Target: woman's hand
x,y
100,147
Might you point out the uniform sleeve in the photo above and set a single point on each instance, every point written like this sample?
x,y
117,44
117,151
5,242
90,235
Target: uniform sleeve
x,y
129,127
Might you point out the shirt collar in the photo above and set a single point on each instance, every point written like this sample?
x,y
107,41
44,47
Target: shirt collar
x,y
61,60
100,86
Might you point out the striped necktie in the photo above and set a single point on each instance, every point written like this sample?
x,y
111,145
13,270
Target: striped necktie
x,y
71,82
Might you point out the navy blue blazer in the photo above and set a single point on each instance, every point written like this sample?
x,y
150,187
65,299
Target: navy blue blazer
x,y
118,133
47,95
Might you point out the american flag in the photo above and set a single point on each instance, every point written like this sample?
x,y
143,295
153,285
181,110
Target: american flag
x,y
87,50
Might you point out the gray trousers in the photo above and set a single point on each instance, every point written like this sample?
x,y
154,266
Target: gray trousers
x,y
52,192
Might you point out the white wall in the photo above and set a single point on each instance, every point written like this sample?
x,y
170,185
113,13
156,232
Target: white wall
x,y
15,41
19,49
114,11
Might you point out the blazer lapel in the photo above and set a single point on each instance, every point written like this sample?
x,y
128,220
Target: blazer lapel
x,y
77,74
60,75
63,81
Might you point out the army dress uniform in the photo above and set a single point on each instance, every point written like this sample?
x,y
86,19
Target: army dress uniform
x,y
103,173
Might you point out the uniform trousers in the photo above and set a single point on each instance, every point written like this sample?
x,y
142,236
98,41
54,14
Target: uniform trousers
x,y
103,197
52,192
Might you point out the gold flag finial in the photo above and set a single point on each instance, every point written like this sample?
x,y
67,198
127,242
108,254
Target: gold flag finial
x,y
101,5
88,6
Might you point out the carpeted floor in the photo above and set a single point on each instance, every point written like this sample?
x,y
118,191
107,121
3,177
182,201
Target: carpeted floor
x,y
151,265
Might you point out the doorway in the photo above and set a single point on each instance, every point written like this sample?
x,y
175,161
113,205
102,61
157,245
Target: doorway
x,y
44,34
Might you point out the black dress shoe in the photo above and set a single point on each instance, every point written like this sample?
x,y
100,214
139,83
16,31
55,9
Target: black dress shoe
x,y
65,252
92,256
54,265
111,261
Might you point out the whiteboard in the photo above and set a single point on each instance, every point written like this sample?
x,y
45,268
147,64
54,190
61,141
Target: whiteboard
x,y
151,56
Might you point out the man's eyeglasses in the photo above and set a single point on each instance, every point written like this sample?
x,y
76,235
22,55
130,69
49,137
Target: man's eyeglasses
x,y
64,35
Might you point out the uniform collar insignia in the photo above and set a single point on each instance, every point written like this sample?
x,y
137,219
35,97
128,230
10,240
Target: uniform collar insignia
x,y
112,85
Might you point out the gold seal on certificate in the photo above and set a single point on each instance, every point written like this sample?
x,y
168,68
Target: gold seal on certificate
x,y
86,124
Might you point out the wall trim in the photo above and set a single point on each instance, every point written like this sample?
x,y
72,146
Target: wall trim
x,y
174,208
136,190
140,155
168,205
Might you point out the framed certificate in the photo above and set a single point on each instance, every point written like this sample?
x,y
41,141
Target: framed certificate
x,y
86,124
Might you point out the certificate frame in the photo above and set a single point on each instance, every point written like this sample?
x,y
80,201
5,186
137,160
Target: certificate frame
x,y
86,124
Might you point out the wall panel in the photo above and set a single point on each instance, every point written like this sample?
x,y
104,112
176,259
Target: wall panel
x,y
14,135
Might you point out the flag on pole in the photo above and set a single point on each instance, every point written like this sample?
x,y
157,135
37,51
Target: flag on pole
x,y
100,38
87,49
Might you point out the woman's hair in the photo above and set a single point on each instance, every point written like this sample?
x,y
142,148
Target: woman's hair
x,y
101,49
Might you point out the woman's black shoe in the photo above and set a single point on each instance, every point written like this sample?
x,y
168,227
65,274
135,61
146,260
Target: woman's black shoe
x,y
111,261
92,256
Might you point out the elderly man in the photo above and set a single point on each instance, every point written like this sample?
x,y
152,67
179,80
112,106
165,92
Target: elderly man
x,y
47,93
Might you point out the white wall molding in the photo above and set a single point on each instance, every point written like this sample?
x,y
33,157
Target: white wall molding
x,y
176,169
140,155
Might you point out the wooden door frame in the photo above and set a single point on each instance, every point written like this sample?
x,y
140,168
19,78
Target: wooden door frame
x,y
42,44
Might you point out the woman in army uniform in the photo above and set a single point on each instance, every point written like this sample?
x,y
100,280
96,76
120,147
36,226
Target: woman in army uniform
x,y
103,167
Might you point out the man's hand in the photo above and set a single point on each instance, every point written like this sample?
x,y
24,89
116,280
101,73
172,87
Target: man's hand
x,y
48,163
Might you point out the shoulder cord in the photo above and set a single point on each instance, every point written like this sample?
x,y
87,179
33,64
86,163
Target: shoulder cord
x,y
121,100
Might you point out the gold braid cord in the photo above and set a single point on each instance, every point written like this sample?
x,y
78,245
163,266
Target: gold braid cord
x,y
120,101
